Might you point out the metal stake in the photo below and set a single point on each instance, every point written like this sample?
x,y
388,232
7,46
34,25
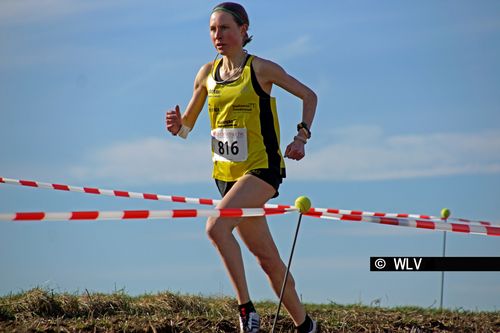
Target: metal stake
x,y
286,274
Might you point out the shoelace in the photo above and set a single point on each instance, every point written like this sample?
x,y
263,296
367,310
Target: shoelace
x,y
254,323
252,320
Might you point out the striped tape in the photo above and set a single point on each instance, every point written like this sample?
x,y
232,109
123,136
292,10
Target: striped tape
x,y
140,214
212,202
121,193
415,220
243,212
410,222
113,193
397,215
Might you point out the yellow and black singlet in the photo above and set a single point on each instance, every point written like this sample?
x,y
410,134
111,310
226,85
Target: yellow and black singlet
x,y
244,126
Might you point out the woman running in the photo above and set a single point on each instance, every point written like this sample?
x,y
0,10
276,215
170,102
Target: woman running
x,y
248,164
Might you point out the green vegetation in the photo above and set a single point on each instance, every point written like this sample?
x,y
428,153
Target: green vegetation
x,y
40,310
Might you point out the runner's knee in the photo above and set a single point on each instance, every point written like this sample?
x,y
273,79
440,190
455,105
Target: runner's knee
x,y
217,230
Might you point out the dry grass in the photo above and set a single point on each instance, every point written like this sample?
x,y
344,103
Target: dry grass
x,y
40,310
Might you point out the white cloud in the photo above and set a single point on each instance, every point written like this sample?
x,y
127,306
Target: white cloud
x,y
366,153
359,153
148,161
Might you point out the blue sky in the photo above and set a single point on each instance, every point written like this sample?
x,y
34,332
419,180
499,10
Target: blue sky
x,y
408,121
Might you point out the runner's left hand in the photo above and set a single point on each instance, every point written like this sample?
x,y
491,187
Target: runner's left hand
x,y
295,150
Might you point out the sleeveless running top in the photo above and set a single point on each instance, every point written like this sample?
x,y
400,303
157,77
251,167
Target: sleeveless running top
x,y
244,126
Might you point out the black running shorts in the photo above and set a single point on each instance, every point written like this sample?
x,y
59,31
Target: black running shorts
x,y
269,176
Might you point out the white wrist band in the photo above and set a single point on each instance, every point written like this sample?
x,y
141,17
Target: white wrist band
x,y
184,131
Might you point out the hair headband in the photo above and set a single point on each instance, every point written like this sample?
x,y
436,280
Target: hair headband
x,y
235,15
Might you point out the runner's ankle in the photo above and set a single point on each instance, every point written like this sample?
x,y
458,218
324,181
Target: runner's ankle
x,y
245,309
306,326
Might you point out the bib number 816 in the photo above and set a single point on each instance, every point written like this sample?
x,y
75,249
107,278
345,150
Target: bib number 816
x,y
229,144
225,149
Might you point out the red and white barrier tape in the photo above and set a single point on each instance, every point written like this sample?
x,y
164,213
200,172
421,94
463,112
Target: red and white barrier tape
x,y
243,212
397,215
415,220
140,214
113,193
411,222
121,193
485,223
212,202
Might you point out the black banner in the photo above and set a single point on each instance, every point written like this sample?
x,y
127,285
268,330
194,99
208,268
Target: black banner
x,y
434,264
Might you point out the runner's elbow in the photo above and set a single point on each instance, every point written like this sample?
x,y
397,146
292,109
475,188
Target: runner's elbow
x,y
311,97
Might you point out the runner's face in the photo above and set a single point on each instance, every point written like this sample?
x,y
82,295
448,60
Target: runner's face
x,y
226,35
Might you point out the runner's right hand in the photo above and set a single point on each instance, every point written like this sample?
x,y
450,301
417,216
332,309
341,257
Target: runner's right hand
x,y
173,120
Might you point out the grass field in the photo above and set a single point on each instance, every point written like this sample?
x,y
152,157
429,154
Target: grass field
x,y
40,310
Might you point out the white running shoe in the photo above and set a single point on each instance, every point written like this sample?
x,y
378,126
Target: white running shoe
x,y
315,328
250,323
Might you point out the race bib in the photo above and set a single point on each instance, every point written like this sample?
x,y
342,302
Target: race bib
x,y
230,144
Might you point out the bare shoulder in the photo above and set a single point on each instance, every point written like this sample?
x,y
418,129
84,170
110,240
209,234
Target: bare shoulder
x,y
203,74
262,65
205,70
269,73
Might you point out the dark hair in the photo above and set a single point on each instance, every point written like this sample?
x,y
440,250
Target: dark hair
x,y
239,14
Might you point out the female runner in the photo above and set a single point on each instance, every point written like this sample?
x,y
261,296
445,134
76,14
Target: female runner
x,y
248,164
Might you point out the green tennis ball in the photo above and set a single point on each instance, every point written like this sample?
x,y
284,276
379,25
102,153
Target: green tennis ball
x,y
303,204
445,213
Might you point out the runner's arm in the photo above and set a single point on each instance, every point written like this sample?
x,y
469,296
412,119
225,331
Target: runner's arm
x,y
174,120
269,73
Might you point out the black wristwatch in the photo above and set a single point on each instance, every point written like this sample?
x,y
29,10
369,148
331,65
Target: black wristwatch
x,y
304,126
